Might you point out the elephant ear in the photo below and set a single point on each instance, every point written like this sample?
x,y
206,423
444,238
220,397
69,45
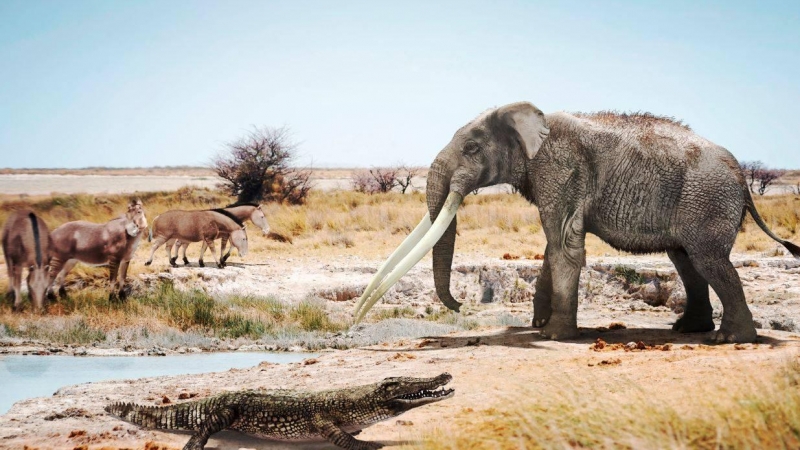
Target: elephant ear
x,y
530,124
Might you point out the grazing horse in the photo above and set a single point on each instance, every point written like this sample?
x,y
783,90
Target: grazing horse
x,y
26,244
112,243
243,212
196,226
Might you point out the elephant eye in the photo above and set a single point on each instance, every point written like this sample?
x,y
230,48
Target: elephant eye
x,y
471,148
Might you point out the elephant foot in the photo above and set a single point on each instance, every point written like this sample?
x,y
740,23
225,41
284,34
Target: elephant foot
x,y
185,261
539,322
560,329
201,263
693,324
740,335
62,292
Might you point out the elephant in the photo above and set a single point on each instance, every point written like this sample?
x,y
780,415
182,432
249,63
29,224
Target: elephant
x,y
640,182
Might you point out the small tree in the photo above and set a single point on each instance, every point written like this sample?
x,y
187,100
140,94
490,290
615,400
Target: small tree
x,y
404,176
767,177
258,168
750,170
375,180
384,179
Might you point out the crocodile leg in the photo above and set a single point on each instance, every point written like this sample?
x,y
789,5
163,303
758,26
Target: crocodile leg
x,y
341,438
215,422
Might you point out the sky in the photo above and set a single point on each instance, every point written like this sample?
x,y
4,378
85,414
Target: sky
x,y
360,84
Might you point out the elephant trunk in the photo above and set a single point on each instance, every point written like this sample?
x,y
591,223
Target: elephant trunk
x,y
438,188
425,236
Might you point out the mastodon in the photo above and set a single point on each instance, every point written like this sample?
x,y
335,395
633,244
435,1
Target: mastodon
x,y
640,182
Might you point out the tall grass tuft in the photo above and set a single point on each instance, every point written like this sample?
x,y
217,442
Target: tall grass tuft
x,y
761,414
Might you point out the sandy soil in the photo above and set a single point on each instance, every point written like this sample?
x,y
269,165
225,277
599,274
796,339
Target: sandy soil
x,y
490,364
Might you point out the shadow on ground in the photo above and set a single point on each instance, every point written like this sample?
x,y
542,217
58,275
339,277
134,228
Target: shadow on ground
x,y
525,337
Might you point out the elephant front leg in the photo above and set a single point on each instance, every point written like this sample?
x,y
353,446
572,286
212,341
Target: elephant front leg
x,y
542,306
566,255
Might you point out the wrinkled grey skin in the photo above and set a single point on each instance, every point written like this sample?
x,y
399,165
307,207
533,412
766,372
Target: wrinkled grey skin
x,y
26,245
639,182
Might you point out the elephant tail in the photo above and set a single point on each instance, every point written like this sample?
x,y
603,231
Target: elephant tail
x,y
793,249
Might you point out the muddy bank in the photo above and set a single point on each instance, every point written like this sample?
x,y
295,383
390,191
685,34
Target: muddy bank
x,y
489,367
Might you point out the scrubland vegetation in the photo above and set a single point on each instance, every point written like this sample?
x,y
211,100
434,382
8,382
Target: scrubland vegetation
x,y
342,222
747,411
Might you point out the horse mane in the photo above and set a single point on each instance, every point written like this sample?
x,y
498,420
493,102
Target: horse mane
x,y
235,204
229,215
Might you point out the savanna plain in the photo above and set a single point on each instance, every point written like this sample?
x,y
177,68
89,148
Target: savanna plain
x,y
628,381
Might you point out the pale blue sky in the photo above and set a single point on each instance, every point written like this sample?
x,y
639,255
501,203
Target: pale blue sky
x,y
144,83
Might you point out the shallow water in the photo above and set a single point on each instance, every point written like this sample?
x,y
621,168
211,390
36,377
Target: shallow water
x,y
31,376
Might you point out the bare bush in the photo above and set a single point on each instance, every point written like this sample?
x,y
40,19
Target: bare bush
x,y
759,177
404,176
384,179
767,177
258,168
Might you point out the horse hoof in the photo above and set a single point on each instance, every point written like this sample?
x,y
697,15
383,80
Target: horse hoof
x,y
201,263
185,261
62,292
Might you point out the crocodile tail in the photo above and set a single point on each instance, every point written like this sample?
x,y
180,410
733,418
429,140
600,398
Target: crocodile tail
x,y
793,249
173,417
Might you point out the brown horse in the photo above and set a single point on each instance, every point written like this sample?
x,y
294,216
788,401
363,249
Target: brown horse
x,y
112,243
26,244
244,212
196,226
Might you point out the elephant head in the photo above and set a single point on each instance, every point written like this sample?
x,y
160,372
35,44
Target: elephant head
x,y
490,150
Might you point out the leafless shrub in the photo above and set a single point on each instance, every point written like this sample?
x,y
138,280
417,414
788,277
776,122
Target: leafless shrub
x,y
375,180
404,176
767,177
258,168
751,169
759,175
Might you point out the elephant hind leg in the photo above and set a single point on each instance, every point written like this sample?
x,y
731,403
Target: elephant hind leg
x,y
697,316
737,321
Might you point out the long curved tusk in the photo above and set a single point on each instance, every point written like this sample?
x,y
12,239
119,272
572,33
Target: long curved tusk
x,y
430,239
401,251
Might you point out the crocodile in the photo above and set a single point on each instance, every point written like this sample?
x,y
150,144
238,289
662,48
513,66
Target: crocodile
x,y
334,415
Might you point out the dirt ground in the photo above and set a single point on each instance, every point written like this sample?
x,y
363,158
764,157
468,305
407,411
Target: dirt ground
x,y
492,363
489,368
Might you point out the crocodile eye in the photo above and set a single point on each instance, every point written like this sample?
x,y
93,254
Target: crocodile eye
x,y
471,148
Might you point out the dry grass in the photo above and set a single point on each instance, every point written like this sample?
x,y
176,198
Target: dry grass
x,y
88,316
371,226
743,412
